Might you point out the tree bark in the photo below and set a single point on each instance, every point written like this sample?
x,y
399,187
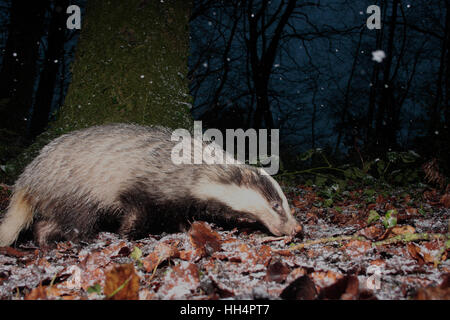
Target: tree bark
x,y
18,70
52,61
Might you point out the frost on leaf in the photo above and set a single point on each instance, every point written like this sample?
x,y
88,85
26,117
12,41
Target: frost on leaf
x,y
122,283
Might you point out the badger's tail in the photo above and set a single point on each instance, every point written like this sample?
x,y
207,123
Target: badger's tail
x,y
18,216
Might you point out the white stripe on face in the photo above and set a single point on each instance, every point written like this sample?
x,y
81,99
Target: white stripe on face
x,y
241,199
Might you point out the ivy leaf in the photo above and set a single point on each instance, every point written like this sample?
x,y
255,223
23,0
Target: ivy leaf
x,y
390,219
136,254
328,202
373,216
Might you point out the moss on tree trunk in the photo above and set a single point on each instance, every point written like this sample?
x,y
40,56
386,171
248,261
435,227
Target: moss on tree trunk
x,y
130,66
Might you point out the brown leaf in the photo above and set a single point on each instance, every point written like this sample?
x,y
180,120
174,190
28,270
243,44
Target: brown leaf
x,y
277,271
122,283
9,251
151,261
186,255
302,288
38,293
445,200
263,255
346,288
162,252
204,238
399,230
357,247
442,292
322,278
411,211
372,232
414,252
184,277
284,253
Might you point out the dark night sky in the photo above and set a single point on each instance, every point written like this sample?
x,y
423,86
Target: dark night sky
x,y
321,80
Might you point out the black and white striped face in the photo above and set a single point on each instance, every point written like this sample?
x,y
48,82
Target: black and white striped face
x,y
256,195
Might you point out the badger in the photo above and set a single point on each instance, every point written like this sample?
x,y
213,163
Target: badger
x,y
120,177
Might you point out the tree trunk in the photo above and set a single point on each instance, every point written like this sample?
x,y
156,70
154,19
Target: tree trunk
x,y
19,64
45,91
385,133
130,66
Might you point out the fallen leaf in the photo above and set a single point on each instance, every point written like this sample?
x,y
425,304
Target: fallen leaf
x,y
357,247
284,253
414,252
180,281
204,238
277,271
162,252
372,232
9,251
186,255
442,292
302,288
398,230
346,288
38,293
445,200
122,283
411,211
325,278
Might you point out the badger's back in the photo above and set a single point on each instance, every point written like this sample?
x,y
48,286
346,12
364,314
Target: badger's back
x,y
98,162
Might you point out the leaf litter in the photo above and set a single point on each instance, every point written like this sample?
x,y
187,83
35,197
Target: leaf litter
x,y
391,246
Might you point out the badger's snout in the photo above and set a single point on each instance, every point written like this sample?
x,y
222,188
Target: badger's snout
x,y
298,231
292,229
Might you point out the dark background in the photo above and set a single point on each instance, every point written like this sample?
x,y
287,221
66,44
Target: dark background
x,y
304,67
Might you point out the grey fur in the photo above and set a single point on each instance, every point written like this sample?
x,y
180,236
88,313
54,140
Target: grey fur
x,y
122,176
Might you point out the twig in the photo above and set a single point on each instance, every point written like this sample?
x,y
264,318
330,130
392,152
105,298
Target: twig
x,y
408,237
309,171
120,287
327,240
156,267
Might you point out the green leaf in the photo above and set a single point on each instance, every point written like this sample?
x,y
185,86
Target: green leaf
x,y
136,254
95,289
328,202
380,166
390,219
373,216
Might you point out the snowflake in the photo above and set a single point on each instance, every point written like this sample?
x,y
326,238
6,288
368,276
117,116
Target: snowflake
x,y
378,56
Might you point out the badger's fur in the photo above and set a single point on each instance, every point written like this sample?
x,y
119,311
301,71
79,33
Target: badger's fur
x,y
122,175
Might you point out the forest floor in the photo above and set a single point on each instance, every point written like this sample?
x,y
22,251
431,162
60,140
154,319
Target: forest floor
x,y
363,244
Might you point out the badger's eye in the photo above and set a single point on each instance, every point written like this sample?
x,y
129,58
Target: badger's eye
x,y
276,206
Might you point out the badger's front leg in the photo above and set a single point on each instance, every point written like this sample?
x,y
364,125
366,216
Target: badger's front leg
x,y
47,231
129,225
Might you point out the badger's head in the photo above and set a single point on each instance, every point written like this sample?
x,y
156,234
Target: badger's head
x,y
250,192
